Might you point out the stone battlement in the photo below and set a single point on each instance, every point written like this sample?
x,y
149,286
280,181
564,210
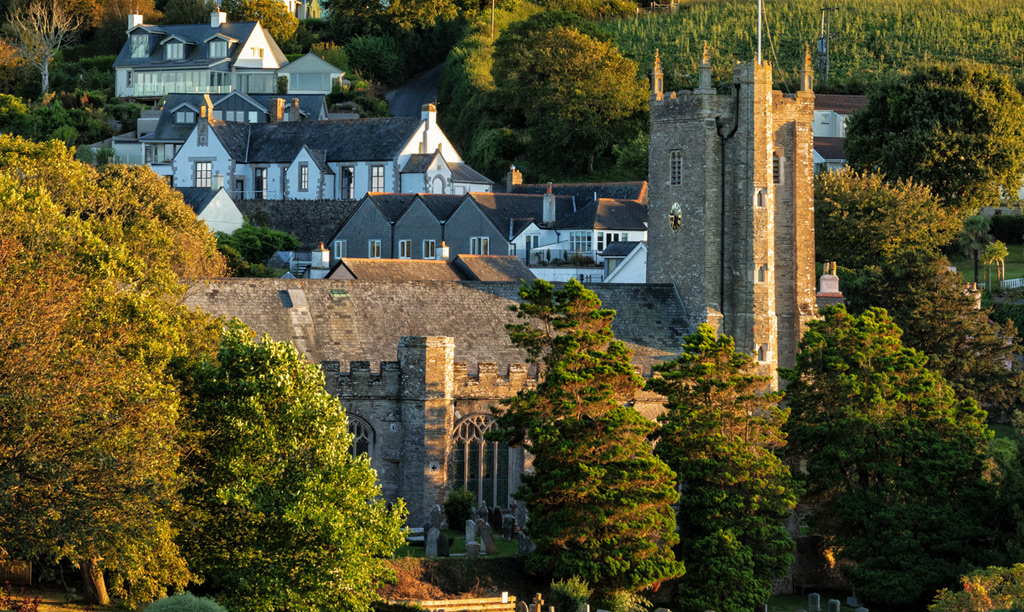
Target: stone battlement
x,y
361,381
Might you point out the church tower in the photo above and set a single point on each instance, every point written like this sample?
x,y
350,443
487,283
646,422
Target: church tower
x,y
731,207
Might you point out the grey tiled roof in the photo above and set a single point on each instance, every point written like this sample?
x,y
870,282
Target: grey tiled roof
x,y
607,214
197,197
464,174
620,249
391,205
418,162
313,222
364,320
492,268
168,131
584,192
343,140
310,105
505,210
830,148
318,159
198,55
441,206
400,269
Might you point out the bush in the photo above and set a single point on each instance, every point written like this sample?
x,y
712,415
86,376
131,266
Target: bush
x,y
376,58
1008,228
570,595
185,602
624,601
457,507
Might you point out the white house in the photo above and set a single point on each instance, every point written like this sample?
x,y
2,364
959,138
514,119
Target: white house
x,y
338,160
214,207
311,75
829,127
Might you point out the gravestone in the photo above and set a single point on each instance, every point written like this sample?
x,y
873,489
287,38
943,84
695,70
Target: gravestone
x,y
443,546
497,518
432,537
470,531
861,610
525,544
485,535
852,600
507,531
834,605
537,603
814,602
435,516
521,606
472,550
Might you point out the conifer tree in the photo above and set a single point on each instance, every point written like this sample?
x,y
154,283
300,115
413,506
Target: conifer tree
x,y
599,500
720,433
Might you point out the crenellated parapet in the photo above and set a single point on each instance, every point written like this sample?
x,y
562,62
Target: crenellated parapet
x,y
360,381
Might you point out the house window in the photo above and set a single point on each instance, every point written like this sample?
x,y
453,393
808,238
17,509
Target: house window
x,y
239,188
260,186
377,179
405,249
479,245
362,436
600,241
348,183
140,46
824,117
374,249
219,48
675,167
184,117
477,464
129,78
762,273
340,249
776,168
429,249
257,52
580,242
204,174
174,51
303,177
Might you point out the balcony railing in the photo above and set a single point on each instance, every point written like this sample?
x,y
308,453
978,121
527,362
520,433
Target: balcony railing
x,y
161,89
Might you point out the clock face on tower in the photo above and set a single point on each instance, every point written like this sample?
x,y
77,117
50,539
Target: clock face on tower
x,y
675,216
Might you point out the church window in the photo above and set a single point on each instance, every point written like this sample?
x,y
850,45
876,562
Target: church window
x,y
759,198
479,465
776,168
362,436
762,273
676,167
762,353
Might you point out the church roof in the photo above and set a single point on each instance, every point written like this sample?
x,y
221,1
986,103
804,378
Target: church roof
x,y
358,320
585,192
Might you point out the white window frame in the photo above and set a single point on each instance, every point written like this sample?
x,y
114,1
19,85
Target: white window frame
x,y
257,52
405,249
218,48
174,51
581,241
429,249
480,245
347,184
204,174
377,179
303,177
184,117
140,46
340,249
373,249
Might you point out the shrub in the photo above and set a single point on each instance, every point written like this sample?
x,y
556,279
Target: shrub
x,y
185,602
1008,228
457,507
377,58
570,595
624,601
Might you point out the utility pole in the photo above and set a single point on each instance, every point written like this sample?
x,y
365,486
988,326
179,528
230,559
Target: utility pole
x,y
825,38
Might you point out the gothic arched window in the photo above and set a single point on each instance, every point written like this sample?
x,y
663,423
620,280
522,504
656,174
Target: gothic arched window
x,y
363,437
477,464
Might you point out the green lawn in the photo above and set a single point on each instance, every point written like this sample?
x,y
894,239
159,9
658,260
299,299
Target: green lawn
x,y
505,549
792,603
1014,265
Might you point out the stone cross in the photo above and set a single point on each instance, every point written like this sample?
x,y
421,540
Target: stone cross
x,y
814,602
431,541
537,603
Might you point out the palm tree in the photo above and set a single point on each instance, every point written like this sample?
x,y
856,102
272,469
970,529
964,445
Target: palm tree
x,y
973,238
996,253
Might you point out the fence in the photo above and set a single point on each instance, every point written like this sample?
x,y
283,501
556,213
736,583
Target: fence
x,y
1008,283
16,572
505,603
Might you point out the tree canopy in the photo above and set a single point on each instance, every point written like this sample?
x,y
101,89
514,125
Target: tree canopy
x,y
598,499
720,433
275,490
895,462
957,129
273,15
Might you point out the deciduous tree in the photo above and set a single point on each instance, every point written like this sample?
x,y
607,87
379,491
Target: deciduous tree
x,y
720,434
895,462
599,500
273,15
286,517
40,29
957,129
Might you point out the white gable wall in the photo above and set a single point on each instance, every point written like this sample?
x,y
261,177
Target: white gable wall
x,y
183,165
258,40
221,214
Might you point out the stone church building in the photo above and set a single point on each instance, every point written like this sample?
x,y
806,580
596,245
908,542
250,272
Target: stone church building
x,y
419,364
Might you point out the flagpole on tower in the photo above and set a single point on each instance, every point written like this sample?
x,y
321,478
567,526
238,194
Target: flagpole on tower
x,y
759,32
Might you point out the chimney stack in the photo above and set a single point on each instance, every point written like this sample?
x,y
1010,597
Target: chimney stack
x,y
218,182
549,207
293,112
134,20
445,252
321,258
277,110
218,18
513,178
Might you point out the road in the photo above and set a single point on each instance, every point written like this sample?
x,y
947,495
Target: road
x,y
421,89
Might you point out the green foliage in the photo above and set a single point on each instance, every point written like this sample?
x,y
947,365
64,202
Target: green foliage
x,y
570,595
598,499
332,54
939,319
624,601
273,15
187,11
377,58
457,507
973,237
255,244
860,219
719,433
1008,311
1007,228
959,130
276,491
984,590
631,159
592,9
895,462
184,602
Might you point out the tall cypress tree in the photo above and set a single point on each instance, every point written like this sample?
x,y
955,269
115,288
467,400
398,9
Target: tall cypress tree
x,y
720,433
599,500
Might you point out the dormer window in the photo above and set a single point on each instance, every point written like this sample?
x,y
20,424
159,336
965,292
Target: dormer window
x,y
184,117
219,48
140,45
174,51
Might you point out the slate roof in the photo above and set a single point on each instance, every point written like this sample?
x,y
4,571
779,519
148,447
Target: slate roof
x,y
391,205
399,269
313,222
377,139
418,162
607,214
492,268
830,148
842,104
310,105
198,55
462,173
505,208
166,129
584,192
318,159
198,197
440,205
363,320
620,249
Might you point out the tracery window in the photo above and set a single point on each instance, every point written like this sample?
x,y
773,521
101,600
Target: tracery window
x,y
362,436
479,465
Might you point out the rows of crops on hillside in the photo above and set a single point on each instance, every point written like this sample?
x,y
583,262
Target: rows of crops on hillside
x,y
875,37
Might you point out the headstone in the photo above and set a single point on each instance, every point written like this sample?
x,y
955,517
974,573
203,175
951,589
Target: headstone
x,y
485,535
506,527
432,537
443,546
814,602
472,550
472,514
435,516
525,544
470,531
852,601
861,610
834,605
521,606
537,603
497,518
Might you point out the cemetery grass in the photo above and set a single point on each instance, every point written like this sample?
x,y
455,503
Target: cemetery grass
x,y
458,538
796,601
